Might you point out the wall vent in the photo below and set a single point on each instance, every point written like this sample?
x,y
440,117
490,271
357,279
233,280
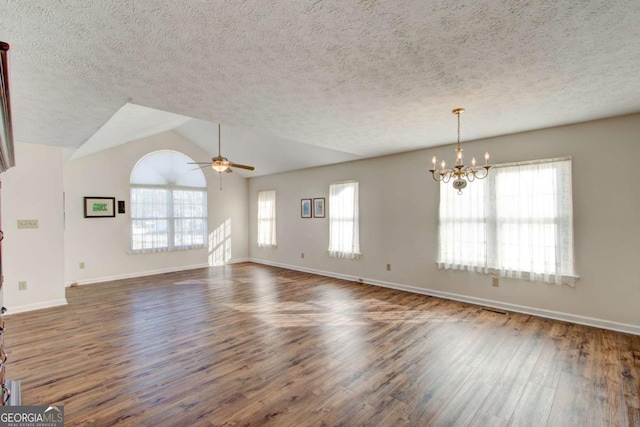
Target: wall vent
x,y
494,310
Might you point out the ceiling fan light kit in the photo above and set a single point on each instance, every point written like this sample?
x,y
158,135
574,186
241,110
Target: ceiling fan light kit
x,y
459,173
219,164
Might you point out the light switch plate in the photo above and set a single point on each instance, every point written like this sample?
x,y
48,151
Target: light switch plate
x,y
27,223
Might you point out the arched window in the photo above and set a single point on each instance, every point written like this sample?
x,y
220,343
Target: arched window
x,y
168,203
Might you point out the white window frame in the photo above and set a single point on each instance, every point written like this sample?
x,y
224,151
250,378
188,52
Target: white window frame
x,y
344,220
170,218
493,220
167,220
267,219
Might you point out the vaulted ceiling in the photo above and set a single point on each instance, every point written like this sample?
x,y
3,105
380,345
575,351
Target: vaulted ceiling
x,y
328,79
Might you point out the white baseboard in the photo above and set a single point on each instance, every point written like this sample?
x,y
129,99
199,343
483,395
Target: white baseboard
x,y
136,274
556,315
148,273
37,306
239,260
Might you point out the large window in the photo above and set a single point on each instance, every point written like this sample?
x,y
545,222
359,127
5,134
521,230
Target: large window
x,y
518,222
168,204
344,228
267,219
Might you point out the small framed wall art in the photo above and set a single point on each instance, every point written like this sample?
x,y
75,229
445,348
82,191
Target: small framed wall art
x,y
318,207
305,208
99,207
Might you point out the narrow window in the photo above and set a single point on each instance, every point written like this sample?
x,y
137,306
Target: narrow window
x,y
267,219
344,228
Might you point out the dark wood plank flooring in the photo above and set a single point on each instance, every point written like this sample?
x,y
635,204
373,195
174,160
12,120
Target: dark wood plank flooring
x,y
251,345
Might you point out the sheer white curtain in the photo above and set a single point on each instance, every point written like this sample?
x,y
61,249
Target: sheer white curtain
x,y
344,227
464,227
267,219
516,223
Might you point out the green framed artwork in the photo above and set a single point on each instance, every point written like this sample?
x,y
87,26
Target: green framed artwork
x,y
99,207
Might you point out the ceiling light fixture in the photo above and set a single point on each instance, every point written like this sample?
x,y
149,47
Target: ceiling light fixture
x,y
460,173
220,165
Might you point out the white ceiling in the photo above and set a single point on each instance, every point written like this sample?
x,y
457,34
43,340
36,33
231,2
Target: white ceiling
x,y
318,80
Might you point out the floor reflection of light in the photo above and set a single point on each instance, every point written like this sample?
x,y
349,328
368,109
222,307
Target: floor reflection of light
x,y
335,320
220,244
284,314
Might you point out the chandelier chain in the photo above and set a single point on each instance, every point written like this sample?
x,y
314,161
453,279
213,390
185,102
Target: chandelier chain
x,y
458,114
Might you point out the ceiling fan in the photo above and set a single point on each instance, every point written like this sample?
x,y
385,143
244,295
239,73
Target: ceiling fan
x,y
221,164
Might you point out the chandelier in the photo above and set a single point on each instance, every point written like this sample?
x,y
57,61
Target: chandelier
x,y
459,173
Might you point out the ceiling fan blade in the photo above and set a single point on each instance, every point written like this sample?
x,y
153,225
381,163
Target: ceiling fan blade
x,y
202,167
236,165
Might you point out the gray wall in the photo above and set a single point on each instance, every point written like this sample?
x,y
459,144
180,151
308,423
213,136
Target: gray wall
x,y
399,217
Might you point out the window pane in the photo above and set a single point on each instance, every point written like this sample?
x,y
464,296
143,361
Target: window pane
x,y
149,202
189,232
344,229
149,234
189,225
266,218
463,226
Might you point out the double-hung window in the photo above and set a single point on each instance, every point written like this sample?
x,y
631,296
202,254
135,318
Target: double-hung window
x,y
344,228
168,204
267,219
518,222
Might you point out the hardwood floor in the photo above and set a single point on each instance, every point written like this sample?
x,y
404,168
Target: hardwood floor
x,y
254,345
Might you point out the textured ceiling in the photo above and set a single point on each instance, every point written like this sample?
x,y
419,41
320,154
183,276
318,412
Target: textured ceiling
x,y
361,77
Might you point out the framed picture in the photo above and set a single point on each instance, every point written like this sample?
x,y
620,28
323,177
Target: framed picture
x,y
318,207
305,208
99,207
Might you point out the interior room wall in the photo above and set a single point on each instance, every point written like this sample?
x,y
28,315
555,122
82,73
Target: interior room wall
x,y
103,244
399,204
32,190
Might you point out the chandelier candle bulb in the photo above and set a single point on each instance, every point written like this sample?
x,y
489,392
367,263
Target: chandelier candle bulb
x,y
443,165
434,162
486,158
473,161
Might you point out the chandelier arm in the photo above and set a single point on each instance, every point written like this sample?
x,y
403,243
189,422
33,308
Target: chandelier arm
x,y
470,174
482,173
433,175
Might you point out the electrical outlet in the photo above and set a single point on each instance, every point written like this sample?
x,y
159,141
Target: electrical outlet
x,y
82,265
302,255
388,267
495,282
27,223
22,286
